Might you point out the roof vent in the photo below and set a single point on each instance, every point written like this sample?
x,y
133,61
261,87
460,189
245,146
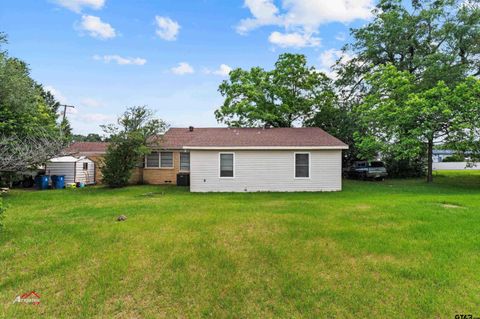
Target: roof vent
x,y
190,128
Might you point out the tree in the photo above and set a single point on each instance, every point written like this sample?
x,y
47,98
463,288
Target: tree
x,y
432,40
289,94
404,120
19,153
90,137
128,143
30,132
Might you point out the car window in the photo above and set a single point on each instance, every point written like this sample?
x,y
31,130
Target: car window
x,y
377,164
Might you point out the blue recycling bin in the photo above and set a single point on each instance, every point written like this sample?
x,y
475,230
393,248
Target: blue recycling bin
x,y
58,181
41,182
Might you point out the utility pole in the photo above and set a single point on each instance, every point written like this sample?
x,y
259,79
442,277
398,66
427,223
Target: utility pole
x,y
65,110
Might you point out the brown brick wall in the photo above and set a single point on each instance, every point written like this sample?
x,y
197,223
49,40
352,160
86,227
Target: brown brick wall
x,y
137,176
98,165
163,175
145,175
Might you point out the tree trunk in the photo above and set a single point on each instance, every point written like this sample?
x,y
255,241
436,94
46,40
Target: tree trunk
x,y
430,161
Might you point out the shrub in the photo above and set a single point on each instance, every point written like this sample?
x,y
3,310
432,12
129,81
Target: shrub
x,y
405,168
128,143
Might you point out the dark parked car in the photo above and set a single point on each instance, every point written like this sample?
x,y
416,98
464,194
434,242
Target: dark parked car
x,y
368,170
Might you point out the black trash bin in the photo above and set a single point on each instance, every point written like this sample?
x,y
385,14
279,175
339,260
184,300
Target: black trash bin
x,y
183,179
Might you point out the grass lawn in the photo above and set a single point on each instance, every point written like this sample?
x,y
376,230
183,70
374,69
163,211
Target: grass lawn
x,y
399,249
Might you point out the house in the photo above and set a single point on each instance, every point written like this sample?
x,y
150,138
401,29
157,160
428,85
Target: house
x,y
247,159
75,169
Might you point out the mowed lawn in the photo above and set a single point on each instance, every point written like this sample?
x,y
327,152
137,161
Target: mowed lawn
x,y
399,249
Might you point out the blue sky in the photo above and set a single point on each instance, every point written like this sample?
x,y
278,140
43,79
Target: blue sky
x,y
105,55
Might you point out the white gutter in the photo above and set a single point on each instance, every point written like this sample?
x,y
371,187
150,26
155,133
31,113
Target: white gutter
x,y
265,147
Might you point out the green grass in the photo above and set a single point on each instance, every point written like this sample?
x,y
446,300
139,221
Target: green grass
x,y
399,249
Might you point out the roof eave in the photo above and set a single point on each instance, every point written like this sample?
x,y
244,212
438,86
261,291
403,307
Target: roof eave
x,y
339,147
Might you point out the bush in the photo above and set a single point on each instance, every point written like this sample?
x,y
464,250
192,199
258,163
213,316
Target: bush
x,y
454,158
121,158
405,168
129,143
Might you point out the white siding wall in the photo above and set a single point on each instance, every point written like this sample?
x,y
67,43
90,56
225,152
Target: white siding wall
x,y
265,171
88,176
61,168
73,171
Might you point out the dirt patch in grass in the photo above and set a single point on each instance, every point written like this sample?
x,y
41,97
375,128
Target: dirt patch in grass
x,y
451,205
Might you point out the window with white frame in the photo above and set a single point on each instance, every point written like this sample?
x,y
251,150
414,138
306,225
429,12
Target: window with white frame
x,y
227,163
159,160
185,162
302,165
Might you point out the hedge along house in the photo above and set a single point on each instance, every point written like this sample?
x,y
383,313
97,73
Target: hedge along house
x,y
248,159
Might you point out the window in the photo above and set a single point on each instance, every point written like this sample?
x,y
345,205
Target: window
x,y
302,165
166,159
185,162
85,166
156,160
377,164
227,163
152,160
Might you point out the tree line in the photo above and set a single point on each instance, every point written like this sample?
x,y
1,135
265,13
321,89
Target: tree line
x,y
406,82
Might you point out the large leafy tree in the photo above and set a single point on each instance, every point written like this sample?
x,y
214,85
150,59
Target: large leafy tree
x,y
434,40
404,120
30,132
289,94
431,40
129,140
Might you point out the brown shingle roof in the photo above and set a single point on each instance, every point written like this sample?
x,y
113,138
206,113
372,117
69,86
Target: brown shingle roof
x,y
87,148
177,138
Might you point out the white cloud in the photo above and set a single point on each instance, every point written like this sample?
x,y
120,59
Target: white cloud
x,y
329,57
223,70
120,60
313,13
90,102
56,93
78,5
183,68
295,39
264,12
301,18
167,29
96,27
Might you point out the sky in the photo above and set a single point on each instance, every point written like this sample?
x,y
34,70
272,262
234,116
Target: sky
x,y
103,56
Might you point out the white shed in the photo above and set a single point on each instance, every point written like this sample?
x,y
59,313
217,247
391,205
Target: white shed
x,y
76,169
